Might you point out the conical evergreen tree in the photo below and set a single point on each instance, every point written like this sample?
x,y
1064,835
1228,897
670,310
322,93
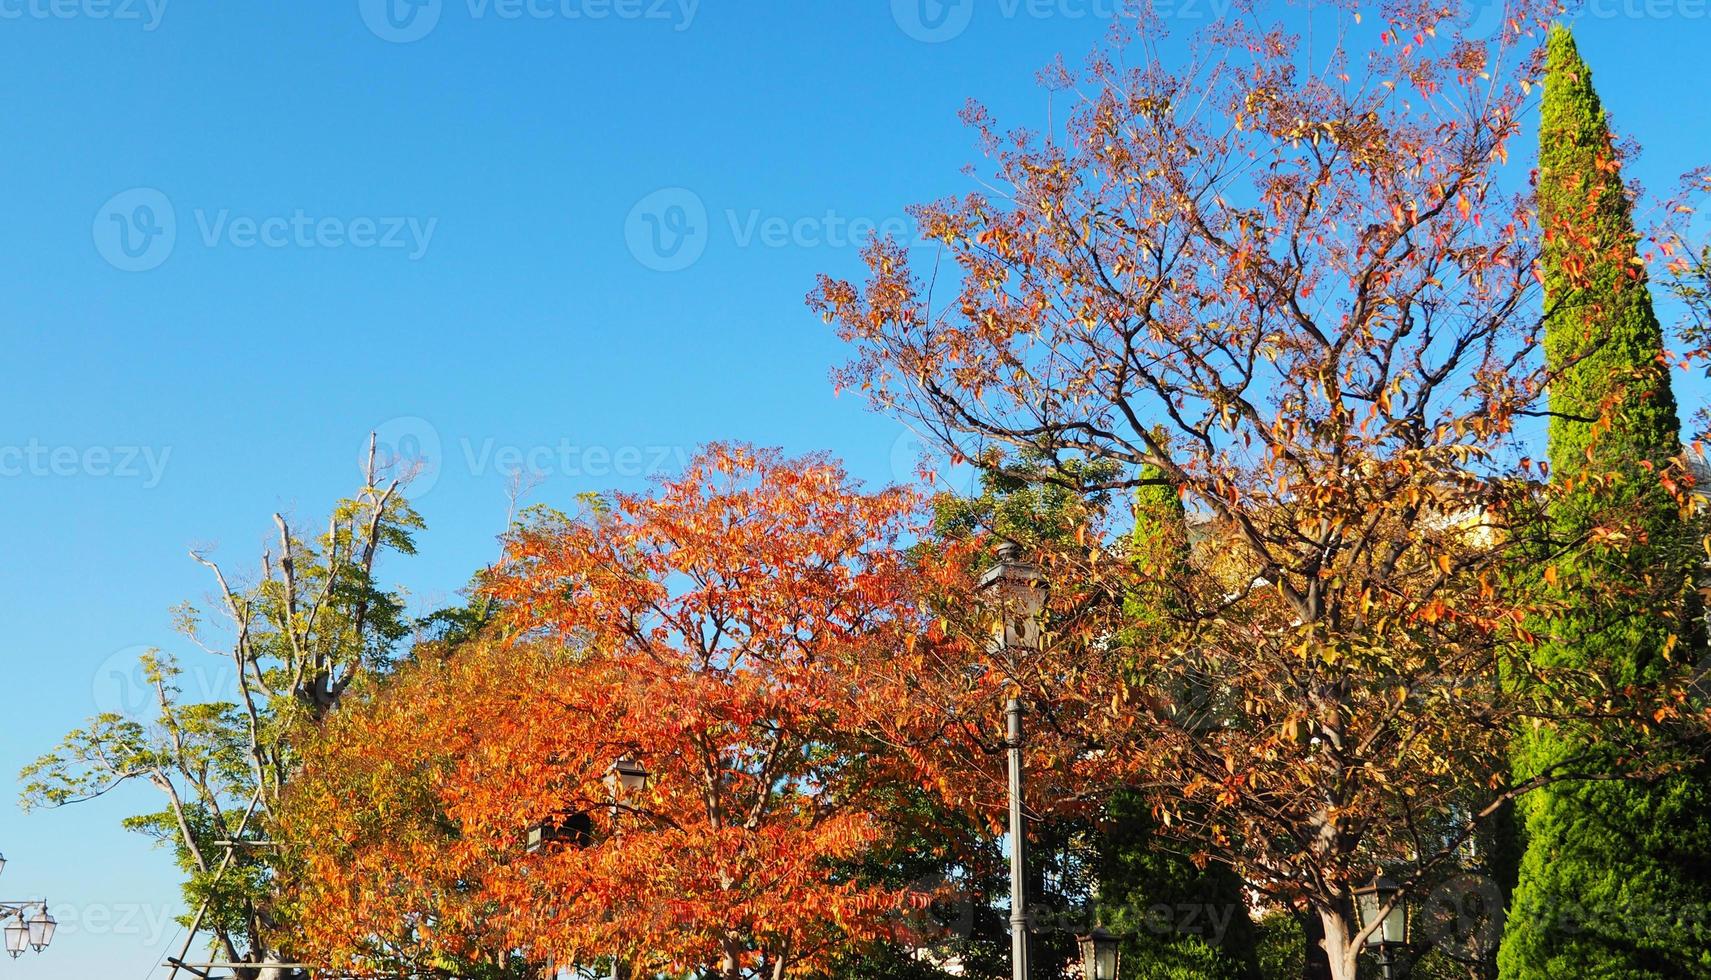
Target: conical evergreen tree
x,y
1616,878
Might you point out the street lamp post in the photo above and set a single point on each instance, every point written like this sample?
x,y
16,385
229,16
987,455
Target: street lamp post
x,y
1016,590
28,924
626,775
1100,955
1392,933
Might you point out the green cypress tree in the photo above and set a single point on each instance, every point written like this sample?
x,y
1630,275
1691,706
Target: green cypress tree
x,y
1616,878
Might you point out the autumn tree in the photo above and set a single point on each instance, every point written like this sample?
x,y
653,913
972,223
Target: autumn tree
x,y
1615,878
1091,855
693,630
1317,288
311,621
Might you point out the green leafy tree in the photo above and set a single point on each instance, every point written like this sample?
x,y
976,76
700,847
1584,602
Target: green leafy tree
x,y
1178,920
1616,877
313,624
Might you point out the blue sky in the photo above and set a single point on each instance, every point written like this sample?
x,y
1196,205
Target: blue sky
x,y
445,229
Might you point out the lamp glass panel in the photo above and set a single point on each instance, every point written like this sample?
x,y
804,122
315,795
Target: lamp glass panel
x,y
41,929
1105,959
1395,926
1020,601
1366,908
17,934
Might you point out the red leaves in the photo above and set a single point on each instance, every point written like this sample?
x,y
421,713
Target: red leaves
x,y
704,629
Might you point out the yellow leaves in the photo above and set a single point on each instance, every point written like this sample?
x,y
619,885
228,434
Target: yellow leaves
x,y
1551,576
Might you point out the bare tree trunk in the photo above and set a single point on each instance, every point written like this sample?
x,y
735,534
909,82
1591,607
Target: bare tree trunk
x,y
1341,954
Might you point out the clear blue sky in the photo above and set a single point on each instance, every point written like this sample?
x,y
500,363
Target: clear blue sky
x,y
532,305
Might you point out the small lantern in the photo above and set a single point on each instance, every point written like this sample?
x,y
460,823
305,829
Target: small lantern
x,y
2,862
627,774
1016,590
41,928
1393,931
576,830
17,936
1099,954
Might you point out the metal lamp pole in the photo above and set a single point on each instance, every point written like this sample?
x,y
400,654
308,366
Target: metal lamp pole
x,y
1386,964
1017,589
1018,834
627,773
617,835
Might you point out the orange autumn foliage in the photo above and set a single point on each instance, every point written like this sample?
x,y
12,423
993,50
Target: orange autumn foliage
x,y
706,630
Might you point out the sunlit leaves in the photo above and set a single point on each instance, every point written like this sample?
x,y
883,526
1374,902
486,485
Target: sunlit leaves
x,y
708,630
